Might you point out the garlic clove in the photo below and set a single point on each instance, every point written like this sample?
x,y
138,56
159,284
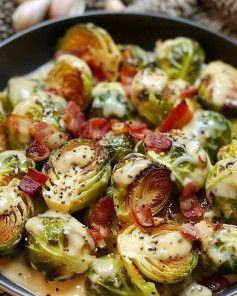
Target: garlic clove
x,y
60,8
114,5
29,13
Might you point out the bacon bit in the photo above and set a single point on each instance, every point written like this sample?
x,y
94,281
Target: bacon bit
x,y
126,77
101,213
32,181
189,203
95,235
216,283
118,127
143,216
95,128
214,226
187,92
176,119
37,151
191,231
96,70
138,130
51,90
157,141
74,118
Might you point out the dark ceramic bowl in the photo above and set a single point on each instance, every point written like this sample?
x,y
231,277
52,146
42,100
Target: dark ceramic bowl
x,y
26,51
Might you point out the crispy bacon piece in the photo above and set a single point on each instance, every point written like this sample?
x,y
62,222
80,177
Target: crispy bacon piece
x,y
138,130
157,141
32,181
95,128
95,235
188,201
74,118
96,70
216,283
118,127
176,119
187,92
37,151
100,216
190,231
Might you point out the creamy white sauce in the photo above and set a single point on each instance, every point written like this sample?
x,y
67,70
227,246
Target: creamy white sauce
x,y
75,62
195,289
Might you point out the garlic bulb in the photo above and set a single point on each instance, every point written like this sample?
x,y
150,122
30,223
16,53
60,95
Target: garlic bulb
x,y
114,5
29,13
60,8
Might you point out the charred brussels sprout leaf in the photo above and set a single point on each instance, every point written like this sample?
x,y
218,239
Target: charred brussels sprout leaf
x,y
161,254
211,129
58,245
78,173
221,189
137,180
100,282
185,159
217,89
16,207
147,96
180,58
109,101
13,163
70,78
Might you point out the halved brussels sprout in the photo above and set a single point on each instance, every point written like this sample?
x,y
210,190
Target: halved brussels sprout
x,y
78,174
219,247
58,245
211,129
22,88
16,207
161,254
110,101
109,277
137,180
3,133
92,43
180,58
217,89
70,78
147,96
185,159
118,146
221,188
43,106
13,164
228,151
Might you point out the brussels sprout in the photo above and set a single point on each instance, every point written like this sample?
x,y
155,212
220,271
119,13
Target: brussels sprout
x,y
13,163
70,78
233,124
3,133
180,58
137,180
146,95
139,148
211,129
43,106
110,101
133,56
221,188
217,89
78,173
92,43
162,254
219,247
186,159
22,88
228,151
58,245
109,277
118,146
16,207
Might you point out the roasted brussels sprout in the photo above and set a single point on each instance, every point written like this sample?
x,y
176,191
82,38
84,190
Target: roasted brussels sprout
x,y
78,173
109,277
109,101
16,207
162,254
3,133
22,88
13,164
186,159
217,89
118,145
58,245
147,97
92,43
211,129
70,78
221,189
228,151
137,180
180,58
219,247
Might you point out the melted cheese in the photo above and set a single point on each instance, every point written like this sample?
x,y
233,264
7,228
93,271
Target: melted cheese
x,y
195,289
